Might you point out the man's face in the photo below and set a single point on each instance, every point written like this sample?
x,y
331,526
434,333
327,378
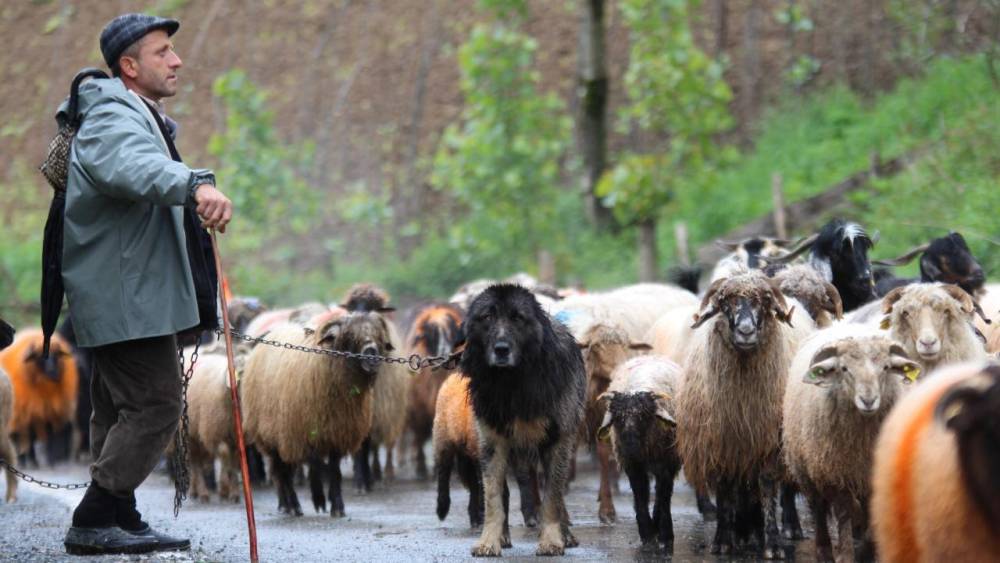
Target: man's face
x,y
154,70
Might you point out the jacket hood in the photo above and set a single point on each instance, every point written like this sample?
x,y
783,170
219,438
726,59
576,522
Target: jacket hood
x,y
93,93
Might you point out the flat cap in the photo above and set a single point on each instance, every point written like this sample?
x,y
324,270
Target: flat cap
x,y
126,29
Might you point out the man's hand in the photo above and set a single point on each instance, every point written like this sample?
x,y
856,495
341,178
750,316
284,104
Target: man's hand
x,y
214,208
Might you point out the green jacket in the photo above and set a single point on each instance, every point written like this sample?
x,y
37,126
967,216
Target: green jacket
x,y
125,264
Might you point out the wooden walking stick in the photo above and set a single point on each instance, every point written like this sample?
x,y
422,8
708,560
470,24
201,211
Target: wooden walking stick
x,y
237,417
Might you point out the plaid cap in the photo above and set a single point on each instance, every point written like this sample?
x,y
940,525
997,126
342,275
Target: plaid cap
x,y
126,29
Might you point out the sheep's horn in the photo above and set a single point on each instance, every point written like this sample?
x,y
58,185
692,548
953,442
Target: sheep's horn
x,y
727,244
905,258
794,253
700,319
890,299
838,303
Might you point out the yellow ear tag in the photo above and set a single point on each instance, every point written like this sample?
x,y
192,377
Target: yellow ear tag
x,y
884,325
911,372
604,434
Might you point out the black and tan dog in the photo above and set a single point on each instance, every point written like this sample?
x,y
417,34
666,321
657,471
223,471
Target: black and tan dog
x,y
527,385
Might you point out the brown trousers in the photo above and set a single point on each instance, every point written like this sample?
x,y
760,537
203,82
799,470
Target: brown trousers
x,y
136,391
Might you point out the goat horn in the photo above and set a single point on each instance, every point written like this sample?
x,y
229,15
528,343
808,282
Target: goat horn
x,y
905,258
700,319
794,253
727,244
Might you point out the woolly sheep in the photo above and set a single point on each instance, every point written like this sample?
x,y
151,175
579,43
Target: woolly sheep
x,y
604,349
45,390
934,322
841,386
819,297
456,445
634,308
302,407
7,453
746,255
435,331
729,409
990,302
936,496
640,423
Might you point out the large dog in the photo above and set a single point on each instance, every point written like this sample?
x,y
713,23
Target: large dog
x,y
527,384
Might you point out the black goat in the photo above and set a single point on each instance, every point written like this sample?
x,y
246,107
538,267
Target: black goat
x,y
840,253
946,259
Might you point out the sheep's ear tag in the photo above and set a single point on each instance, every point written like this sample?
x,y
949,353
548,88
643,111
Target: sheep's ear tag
x,y
604,433
814,374
355,391
911,372
884,325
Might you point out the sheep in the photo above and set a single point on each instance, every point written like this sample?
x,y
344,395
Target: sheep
x,y
839,252
990,302
7,453
729,409
434,332
936,496
391,393
527,385
819,297
45,390
604,349
634,308
302,406
211,424
640,423
946,259
934,322
841,386
746,255
243,310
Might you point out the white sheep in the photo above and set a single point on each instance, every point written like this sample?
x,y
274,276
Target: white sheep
x,y
934,322
7,452
634,308
729,410
841,386
936,496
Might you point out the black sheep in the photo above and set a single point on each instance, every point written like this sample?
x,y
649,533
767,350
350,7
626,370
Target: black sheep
x,y
527,385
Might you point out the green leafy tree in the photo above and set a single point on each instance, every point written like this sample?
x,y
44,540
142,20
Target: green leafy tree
x,y
675,92
502,162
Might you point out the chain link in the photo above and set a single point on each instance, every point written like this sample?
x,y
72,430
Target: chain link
x,y
415,362
182,474
48,485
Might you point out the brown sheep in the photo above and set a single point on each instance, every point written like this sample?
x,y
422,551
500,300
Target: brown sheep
x,y
729,410
456,444
45,390
301,406
7,454
819,297
934,322
435,332
936,493
843,382
604,349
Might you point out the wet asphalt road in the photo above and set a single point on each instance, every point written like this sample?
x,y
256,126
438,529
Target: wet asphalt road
x,y
393,523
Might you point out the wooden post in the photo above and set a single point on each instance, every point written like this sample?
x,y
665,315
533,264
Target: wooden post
x,y
681,235
546,267
779,206
647,251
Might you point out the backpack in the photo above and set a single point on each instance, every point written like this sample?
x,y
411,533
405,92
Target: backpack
x,y
55,168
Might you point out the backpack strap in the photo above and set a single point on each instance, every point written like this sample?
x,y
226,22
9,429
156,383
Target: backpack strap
x,y
74,92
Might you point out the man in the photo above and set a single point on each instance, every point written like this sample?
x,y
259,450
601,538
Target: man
x,y
135,273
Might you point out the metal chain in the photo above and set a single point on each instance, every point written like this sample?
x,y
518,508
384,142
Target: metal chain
x,y
48,485
415,362
182,473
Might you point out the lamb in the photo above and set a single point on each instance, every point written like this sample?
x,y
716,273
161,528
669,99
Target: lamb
x,y
45,389
391,392
819,297
633,308
527,385
842,384
7,453
946,259
434,332
729,409
604,349
301,406
936,496
211,430
640,424
934,322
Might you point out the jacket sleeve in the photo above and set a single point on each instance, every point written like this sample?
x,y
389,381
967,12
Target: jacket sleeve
x,y
125,160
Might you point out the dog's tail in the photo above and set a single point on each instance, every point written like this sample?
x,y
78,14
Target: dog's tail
x,y
443,462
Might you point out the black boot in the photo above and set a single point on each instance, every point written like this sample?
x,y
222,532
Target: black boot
x,y
130,520
95,531
96,510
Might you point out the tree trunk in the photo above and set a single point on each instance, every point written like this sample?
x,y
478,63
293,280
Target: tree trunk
x,y
721,27
593,122
750,75
648,255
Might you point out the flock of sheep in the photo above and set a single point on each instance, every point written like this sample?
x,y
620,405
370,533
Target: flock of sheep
x,y
797,371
